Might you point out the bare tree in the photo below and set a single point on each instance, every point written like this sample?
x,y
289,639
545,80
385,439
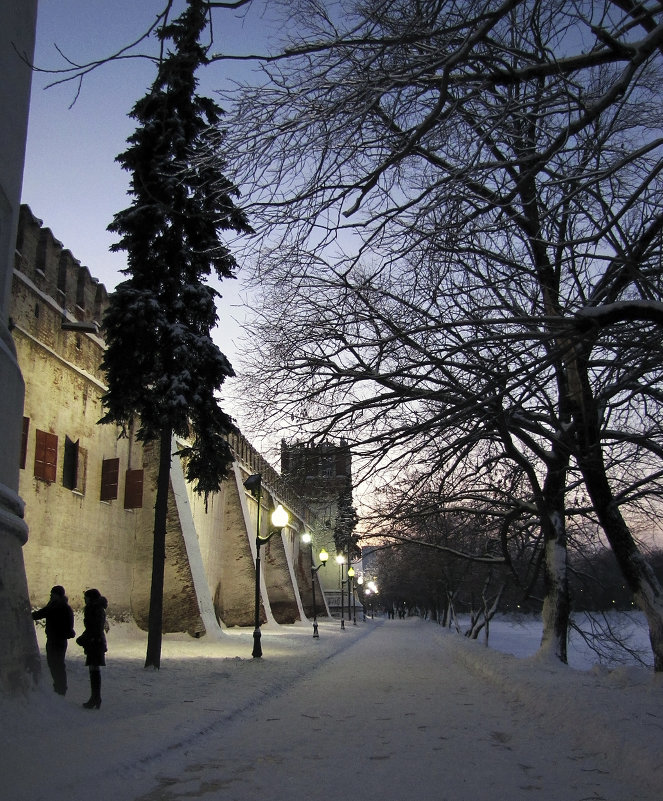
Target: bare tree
x,y
460,210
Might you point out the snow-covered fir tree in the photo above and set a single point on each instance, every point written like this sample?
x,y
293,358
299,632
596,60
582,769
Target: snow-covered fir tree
x,y
162,368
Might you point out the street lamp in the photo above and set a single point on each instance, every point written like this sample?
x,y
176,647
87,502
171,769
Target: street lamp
x,y
279,520
322,556
351,594
340,561
371,590
360,583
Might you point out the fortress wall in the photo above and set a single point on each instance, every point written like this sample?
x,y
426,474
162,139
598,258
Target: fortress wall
x,y
80,538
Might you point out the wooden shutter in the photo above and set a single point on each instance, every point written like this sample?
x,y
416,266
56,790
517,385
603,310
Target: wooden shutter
x,y
110,479
133,489
81,470
46,455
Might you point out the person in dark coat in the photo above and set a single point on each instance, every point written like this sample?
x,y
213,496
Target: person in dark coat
x,y
59,629
93,642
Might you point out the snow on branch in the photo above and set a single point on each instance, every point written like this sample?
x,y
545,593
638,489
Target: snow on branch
x,y
620,312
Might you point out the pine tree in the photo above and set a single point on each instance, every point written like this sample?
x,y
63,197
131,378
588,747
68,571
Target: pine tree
x,y
162,367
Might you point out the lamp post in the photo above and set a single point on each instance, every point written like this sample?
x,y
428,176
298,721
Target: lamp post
x,y
360,583
351,594
340,561
348,569
279,519
371,590
322,556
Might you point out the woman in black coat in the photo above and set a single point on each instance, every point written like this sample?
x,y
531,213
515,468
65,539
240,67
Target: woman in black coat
x,y
93,642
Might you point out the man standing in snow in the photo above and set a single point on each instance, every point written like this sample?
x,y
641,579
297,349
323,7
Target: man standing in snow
x,y
59,628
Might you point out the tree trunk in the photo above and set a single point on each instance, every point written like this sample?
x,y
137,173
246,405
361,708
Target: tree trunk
x,y
556,603
154,626
556,606
641,579
550,504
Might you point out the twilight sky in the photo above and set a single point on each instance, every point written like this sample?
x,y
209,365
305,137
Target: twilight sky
x,y
71,180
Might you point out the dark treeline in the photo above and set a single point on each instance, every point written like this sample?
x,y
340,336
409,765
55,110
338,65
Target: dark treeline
x,y
437,585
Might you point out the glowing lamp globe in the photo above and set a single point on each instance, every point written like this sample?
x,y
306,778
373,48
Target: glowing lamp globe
x,y
280,517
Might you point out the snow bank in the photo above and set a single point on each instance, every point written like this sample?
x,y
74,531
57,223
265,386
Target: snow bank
x,y
616,711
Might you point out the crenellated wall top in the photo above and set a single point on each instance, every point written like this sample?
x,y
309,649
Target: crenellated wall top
x,y
254,462
55,271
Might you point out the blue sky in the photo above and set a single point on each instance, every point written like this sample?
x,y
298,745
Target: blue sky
x,y
71,180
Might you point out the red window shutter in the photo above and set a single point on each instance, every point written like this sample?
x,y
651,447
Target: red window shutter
x,y
133,489
46,455
110,478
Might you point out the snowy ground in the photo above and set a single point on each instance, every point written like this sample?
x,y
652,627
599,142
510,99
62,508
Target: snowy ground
x,y
397,709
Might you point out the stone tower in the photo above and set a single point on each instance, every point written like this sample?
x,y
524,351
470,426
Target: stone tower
x,y
319,474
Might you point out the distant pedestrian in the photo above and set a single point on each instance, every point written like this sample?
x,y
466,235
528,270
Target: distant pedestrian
x,y
59,629
93,642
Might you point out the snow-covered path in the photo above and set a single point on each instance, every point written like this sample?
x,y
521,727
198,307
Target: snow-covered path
x,y
393,716
387,709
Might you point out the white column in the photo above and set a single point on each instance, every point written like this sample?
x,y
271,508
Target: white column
x,y
19,655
